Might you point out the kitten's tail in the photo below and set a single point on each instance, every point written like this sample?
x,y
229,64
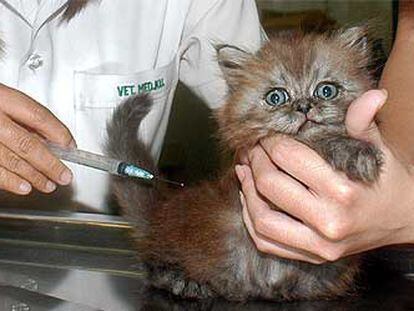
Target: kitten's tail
x,y
134,196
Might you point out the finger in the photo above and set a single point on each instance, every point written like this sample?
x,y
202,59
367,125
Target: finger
x,y
280,189
242,157
365,241
278,227
360,122
29,113
274,248
13,163
33,151
13,183
303,164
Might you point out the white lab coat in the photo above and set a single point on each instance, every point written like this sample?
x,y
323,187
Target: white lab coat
x,y
82,68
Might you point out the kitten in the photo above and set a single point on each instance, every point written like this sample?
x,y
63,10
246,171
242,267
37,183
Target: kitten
x,y
193,241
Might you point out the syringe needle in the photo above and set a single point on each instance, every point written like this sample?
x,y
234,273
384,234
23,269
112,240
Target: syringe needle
x,y
176,183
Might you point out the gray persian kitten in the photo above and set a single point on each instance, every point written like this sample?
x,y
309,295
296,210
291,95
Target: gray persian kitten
x,y
193,242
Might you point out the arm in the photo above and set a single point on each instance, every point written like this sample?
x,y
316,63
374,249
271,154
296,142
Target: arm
x,y
396,118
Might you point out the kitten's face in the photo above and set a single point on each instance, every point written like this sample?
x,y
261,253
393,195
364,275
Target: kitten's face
x,y
299,85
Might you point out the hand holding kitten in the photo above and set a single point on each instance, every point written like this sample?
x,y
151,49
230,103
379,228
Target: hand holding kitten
x,y
338,217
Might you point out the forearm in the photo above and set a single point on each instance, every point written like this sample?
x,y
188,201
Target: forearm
x,y
397,116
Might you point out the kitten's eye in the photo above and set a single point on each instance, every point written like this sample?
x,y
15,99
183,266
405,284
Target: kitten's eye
x,y
326,91
277,97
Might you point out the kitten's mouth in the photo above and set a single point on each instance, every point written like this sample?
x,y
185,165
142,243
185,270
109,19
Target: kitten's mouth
x,y
311,118
307,124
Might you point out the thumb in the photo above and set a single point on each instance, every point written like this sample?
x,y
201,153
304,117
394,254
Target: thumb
x,y
360,121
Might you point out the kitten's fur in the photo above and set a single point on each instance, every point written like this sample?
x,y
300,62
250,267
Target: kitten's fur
x,y
193,241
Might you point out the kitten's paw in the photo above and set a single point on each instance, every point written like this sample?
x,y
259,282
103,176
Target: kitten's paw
x,y
359,160
364,164
190,290
175,282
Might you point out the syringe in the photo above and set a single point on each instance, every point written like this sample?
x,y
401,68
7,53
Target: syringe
x,y
104,163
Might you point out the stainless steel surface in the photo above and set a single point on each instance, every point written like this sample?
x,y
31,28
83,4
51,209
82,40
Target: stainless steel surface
x,y
85,262
66,261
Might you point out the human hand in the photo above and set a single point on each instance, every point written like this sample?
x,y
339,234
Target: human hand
x,y
25,161
333,217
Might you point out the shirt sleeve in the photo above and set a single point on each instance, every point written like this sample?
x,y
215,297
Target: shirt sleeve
x,y
234,22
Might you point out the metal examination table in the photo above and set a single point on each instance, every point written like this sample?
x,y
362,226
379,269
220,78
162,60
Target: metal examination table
x,y
78,261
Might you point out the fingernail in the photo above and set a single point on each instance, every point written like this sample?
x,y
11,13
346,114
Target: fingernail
x,y
50,186
72,143
379,98
382,99
66,177
25,187
244,157
240,172
241,198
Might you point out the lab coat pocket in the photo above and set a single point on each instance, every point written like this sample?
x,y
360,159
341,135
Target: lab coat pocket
x,y
97,94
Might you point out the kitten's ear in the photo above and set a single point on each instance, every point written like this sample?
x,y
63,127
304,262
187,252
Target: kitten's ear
x,y
355,38
231,60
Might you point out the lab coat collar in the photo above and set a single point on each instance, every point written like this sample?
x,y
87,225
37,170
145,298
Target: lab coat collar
x,y
48,10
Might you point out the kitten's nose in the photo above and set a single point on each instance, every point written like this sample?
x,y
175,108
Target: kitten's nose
x,y
303,107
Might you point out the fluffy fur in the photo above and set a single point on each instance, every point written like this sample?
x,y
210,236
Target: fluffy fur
x,y
193,241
